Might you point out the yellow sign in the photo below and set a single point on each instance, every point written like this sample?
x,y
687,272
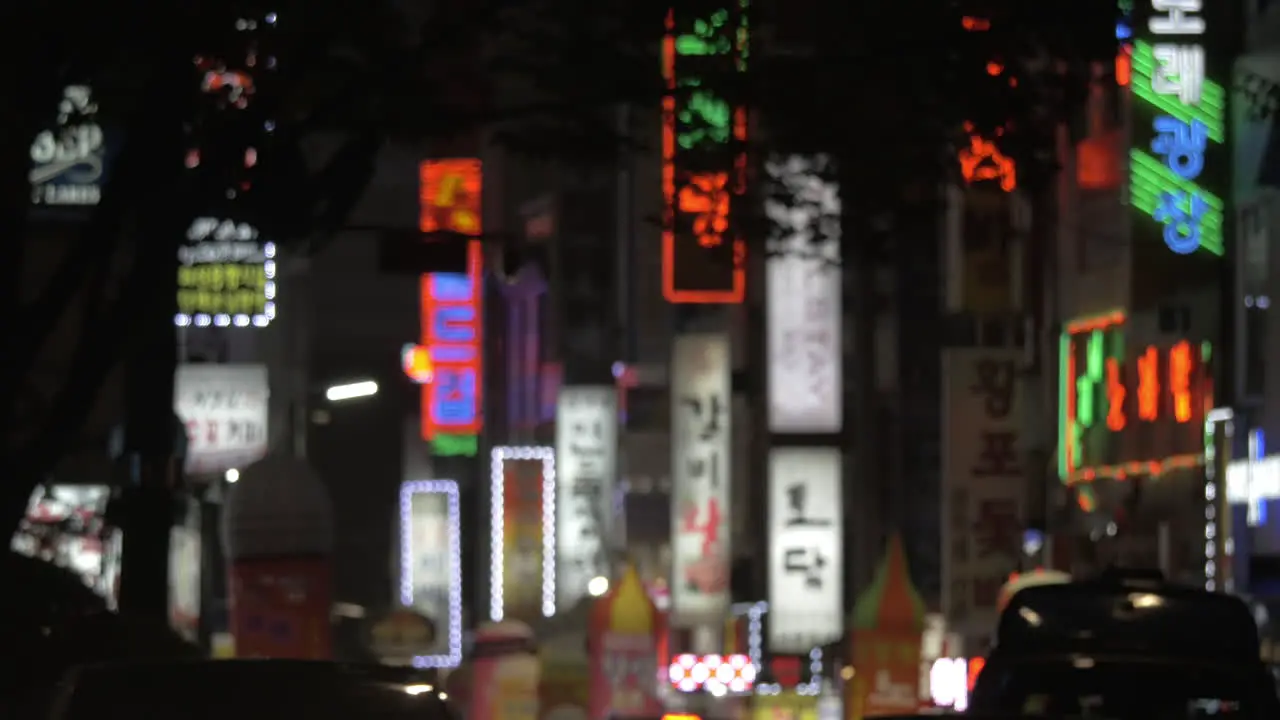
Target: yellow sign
x,y
223,289
226,275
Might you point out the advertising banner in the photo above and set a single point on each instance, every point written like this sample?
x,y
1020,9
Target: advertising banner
x,y
700,475
224,408
806,564
804,295
888,673
586,451
431,564
984,496
522,573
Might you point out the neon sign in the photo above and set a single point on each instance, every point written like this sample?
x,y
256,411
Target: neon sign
x,y
452,312
1187,123
1129,411
704,173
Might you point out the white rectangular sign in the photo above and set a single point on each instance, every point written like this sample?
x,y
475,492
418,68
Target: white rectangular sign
x,y
701,395
224,408
586,456
806,564
431,563
804,295
984,486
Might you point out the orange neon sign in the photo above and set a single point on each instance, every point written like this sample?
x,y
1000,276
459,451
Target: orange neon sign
x,y
1149,385
982,161
1115,396
706,197
1180,380
450,196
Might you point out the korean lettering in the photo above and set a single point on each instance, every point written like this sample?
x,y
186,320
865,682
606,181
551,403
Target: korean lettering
x,y
455,395
1179,20
807,561
1179,71
996,529
996,383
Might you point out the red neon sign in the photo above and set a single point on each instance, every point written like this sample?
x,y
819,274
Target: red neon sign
x,y
452,309
704,162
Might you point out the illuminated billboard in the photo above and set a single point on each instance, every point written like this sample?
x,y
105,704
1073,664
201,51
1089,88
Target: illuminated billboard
x,y
1177,163
1129,409
587,456
522,533
806,541
226,275
804,295
704,171
701,473
452,310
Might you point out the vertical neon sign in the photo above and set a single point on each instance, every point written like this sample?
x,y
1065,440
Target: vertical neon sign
x,y
704,168
452,304
1187,123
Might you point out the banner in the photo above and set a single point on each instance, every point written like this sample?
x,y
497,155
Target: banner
x,y
984,497
700,474
804,295
224,408
806,563
586,451
888,673
431,564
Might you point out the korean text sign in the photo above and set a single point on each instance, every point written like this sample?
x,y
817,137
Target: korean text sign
x,y
586,456
1127,407
804,295
452,309
806,564
1178,167
224,408
701,475
984,490
226,275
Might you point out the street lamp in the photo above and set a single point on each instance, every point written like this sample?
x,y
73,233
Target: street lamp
x,y
351,391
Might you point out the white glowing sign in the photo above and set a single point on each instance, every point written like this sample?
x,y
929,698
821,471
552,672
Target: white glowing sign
x,y
224,409
806,591
431,564
522,529
586,454
68,161
804,292
701,474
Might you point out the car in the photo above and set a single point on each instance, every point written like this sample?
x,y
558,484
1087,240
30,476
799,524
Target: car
x,y
246,690
1125,646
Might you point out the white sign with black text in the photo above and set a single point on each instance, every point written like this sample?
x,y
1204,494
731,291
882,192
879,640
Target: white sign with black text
x,y
804,293
806,584
701,473
586,457
224,408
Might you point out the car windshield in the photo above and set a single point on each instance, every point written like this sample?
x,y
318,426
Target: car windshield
x,y
1127,690
244,691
